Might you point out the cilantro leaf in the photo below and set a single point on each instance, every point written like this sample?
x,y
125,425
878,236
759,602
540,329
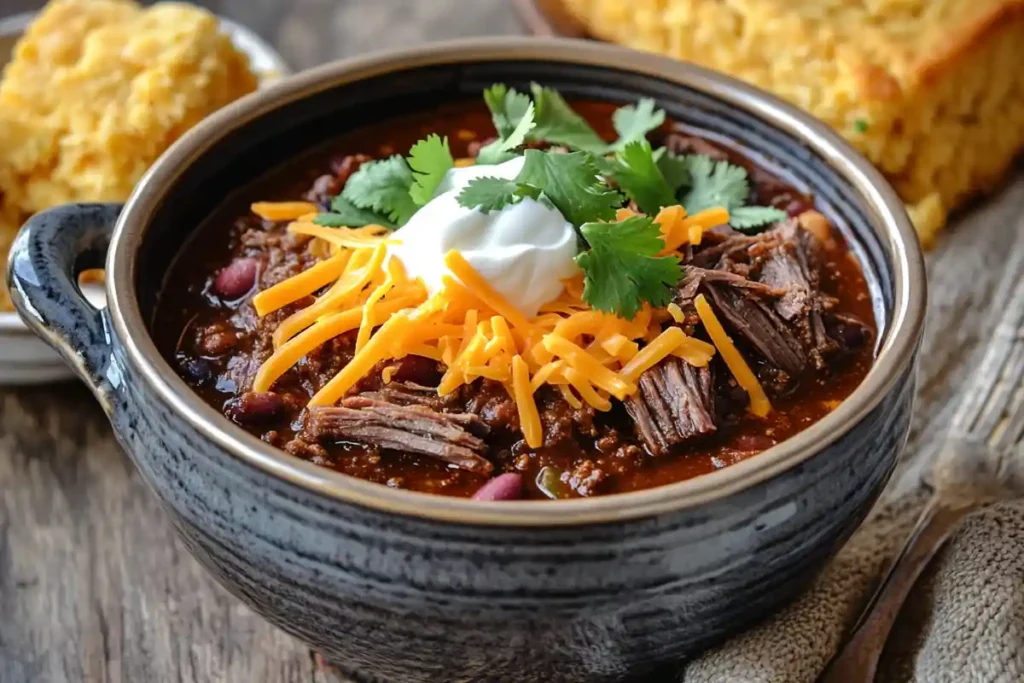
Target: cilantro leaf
x,y
638,176
430,159
749,217
345,214
507,106
621,270
557,123
634,122
488,194
383,186
674,168
571,183
501,150
714,184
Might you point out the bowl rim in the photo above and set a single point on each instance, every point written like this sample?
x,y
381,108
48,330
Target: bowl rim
x,y
888,216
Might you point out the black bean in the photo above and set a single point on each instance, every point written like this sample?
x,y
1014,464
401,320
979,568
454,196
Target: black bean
x,y
853,336
197,369
503,487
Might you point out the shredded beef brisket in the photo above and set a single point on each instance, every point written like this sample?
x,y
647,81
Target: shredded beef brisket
x,y
756,321
697,275
451,437
791,265
407,394
674,403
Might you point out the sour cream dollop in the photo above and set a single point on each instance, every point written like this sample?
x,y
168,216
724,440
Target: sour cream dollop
x,y
524,251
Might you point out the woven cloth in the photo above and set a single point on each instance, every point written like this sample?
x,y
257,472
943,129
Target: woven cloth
x,y
963,622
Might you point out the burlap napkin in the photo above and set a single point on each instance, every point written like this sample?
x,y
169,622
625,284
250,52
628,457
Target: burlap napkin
x,y
963,623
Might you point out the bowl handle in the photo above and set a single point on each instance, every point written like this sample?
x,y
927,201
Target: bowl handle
x,y
48,255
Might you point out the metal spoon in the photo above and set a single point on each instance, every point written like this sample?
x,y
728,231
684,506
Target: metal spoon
x,y
981,461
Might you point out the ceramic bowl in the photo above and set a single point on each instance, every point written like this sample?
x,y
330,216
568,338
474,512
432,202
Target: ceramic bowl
x,y
24,358
392,585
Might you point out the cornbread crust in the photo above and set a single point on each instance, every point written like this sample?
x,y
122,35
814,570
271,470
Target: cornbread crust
x,y
930,90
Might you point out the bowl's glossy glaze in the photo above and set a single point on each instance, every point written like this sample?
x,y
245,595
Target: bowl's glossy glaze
x,y
397,586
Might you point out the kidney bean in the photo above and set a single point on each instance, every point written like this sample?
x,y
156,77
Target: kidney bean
x,y
236,279
324,188
254,407
503,487
343,167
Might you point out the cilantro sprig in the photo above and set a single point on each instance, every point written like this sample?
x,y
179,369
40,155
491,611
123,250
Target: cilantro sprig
x,y
501,150
569,182
622,268
383,187
633,123
389,191
557,123
637,174
430,159
704,183
492,194
345,214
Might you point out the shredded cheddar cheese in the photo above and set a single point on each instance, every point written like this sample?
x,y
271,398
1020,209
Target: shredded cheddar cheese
x,y
676,312
759,404
303,284
283,211
481,288
529,418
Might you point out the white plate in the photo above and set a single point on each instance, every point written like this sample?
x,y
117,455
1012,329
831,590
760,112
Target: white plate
x,y
25,359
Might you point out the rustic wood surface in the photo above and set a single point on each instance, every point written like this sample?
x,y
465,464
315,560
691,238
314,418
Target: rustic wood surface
x,y
93,584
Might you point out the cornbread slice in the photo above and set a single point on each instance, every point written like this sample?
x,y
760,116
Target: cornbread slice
x,y
932,91
98,89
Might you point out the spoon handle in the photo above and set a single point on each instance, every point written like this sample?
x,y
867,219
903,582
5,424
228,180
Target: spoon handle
x,y
857,662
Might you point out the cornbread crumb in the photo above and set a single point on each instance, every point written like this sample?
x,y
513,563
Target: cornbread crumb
x,y
929,216
929,90
98,89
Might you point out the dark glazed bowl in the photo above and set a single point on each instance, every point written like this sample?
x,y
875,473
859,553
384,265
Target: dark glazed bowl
x,y
397,586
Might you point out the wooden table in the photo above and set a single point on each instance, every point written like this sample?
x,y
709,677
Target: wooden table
x,y
94,586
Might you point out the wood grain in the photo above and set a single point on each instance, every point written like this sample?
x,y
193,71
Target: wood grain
x,y
93,584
